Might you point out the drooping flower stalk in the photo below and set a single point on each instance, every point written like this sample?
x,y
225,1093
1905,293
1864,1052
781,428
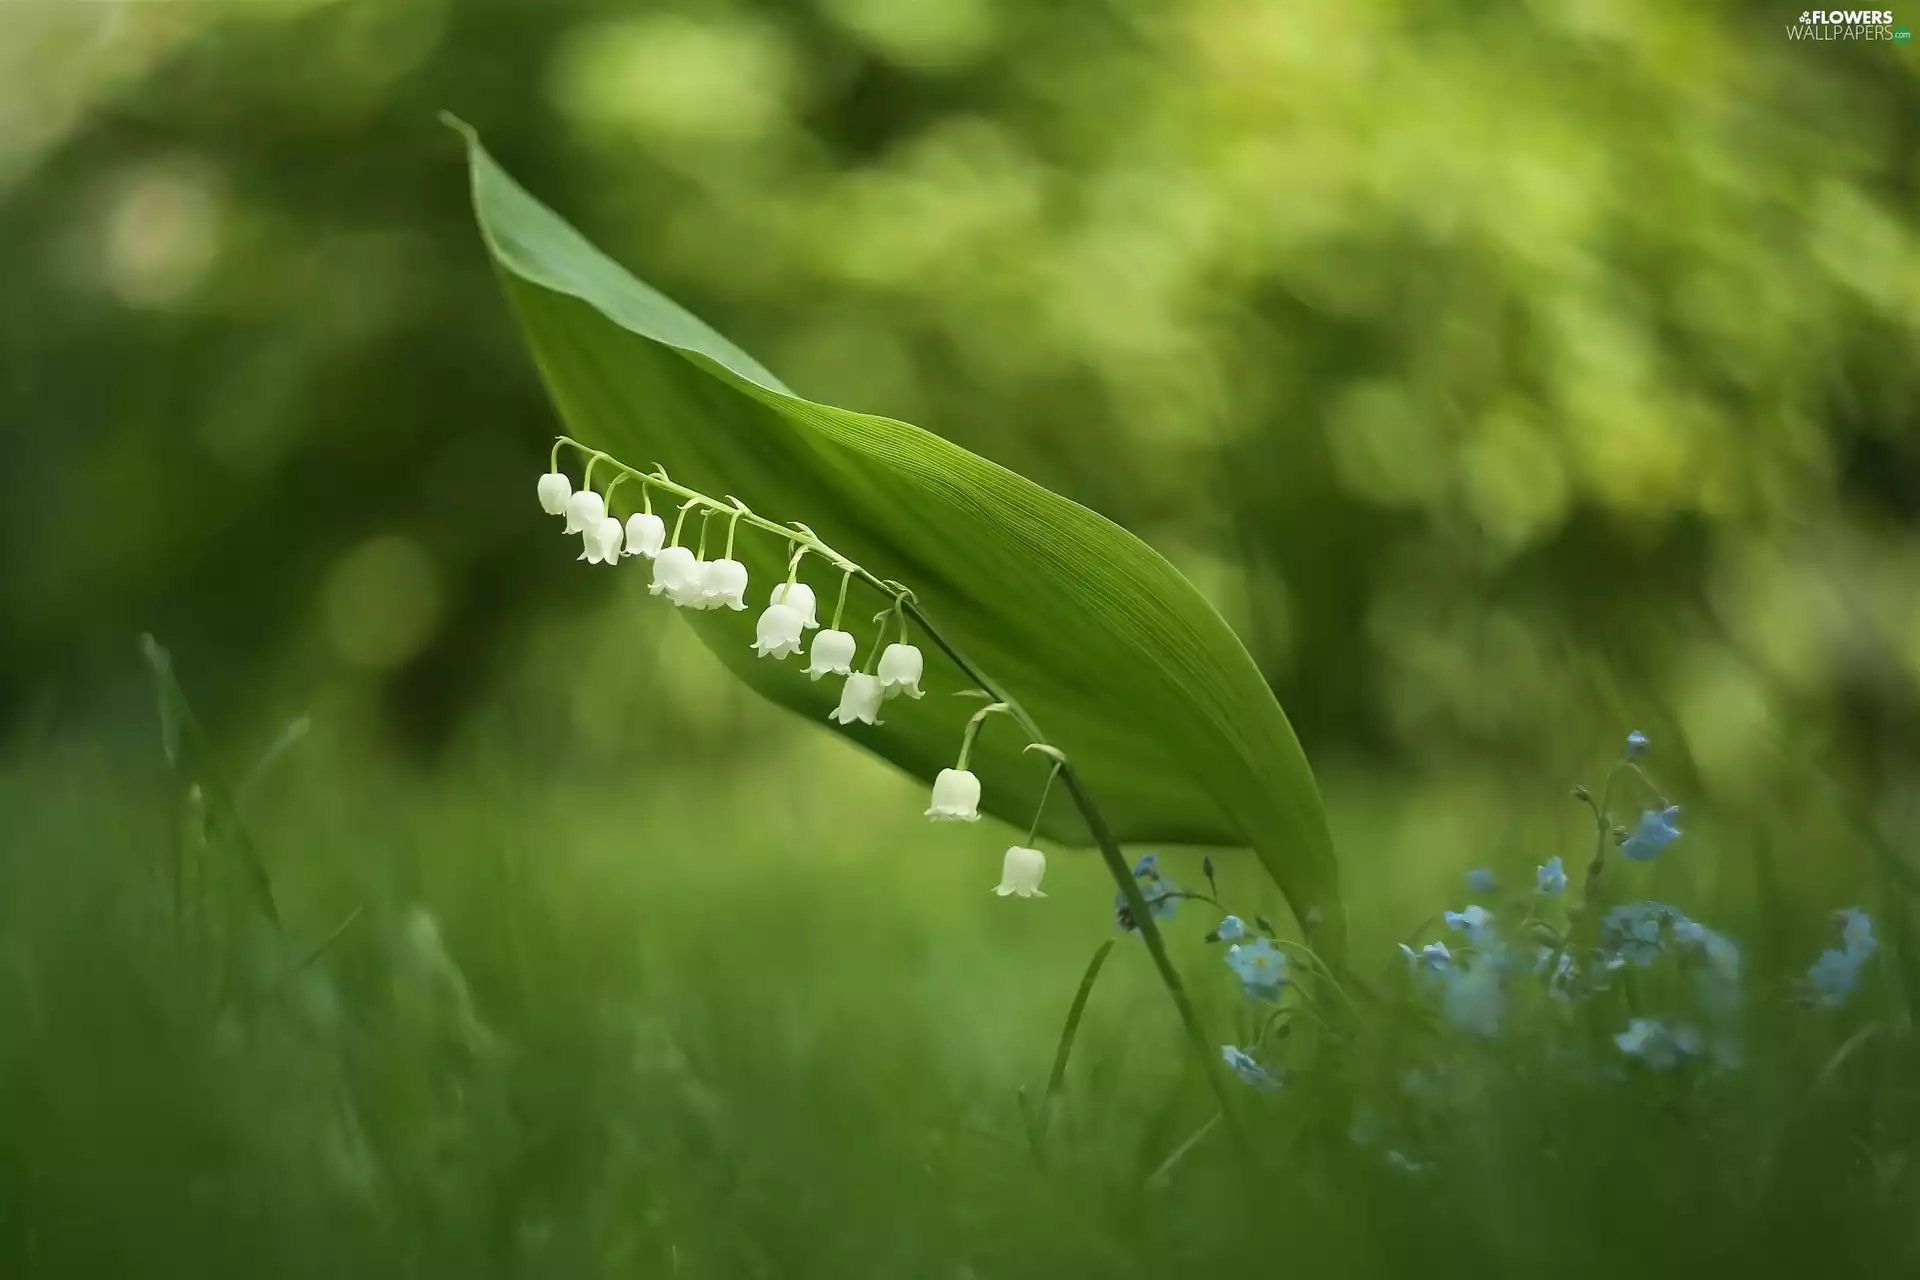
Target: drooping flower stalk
x,y
907,605
840,606
795,594
1046,789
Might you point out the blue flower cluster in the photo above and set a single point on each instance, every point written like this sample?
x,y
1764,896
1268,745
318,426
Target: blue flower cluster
x,y
1694,972
1472,983
1686,1011
1657,1044
1162,898
1260,966
1834,974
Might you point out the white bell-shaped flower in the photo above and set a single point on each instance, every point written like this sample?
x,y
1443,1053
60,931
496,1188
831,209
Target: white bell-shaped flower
x,y
646,534
691,591
956,797
831,654
725,585
900,668
1021,872
860,700
555,489
584,510
777,634
602,540
797,596
673,568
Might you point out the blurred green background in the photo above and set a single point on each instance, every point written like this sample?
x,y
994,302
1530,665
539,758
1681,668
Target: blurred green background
x,y
1509,376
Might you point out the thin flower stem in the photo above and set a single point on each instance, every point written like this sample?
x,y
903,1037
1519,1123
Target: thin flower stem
x,y
734,526
1646,780
1116,864
701,553
1046,789
646,495
608,496
841,606
1602,829
1142,915
873,650
1326,972
973,731
679,520
553,458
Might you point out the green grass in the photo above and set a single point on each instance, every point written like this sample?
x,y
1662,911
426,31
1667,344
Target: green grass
x,y
719,1004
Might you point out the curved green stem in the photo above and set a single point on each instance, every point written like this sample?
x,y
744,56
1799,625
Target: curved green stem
x,y
679,520
1046,789
973,731
734,526
841,607
1121,874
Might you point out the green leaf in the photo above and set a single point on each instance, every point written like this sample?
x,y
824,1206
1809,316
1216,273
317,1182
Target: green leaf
x,y
1115,656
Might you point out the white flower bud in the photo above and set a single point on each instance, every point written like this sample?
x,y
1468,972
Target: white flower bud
x,y
832,654
860,700
554,491
725,585
956,797
673,568
1021,872
646,534
900,668
777,634
584,510
798,596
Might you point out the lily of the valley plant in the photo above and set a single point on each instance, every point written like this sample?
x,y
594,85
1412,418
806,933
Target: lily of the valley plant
x,y
891,669
875,670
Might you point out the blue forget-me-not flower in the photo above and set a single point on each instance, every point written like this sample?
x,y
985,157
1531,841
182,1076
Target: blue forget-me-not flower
x,y
1633,932
1551,877
1475,922
1658,1045
1155,888
1260,966
1434,957
1834,974
1247,1069
1654,832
